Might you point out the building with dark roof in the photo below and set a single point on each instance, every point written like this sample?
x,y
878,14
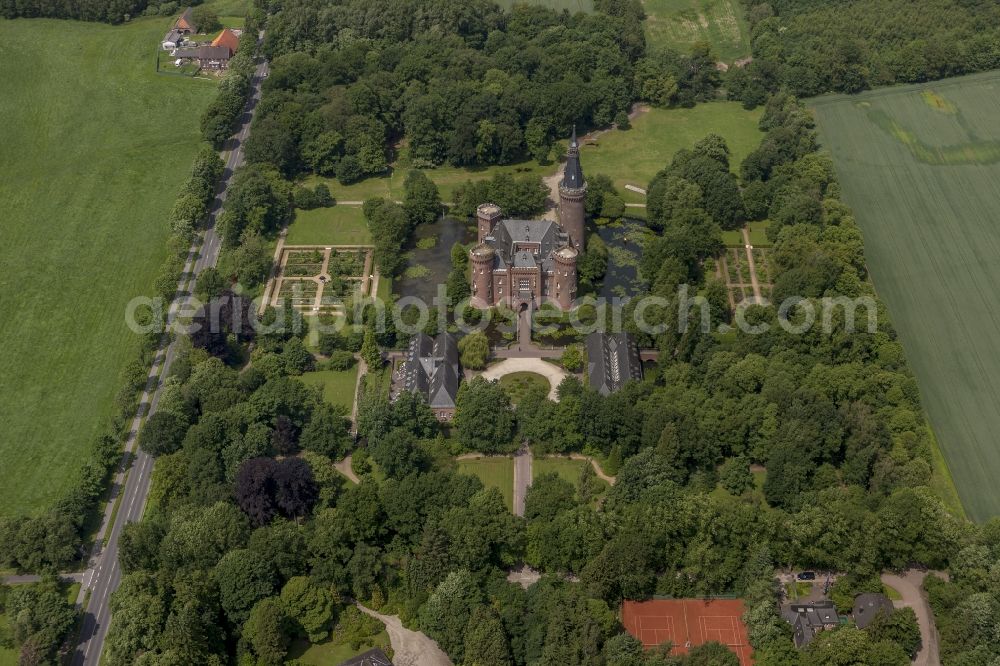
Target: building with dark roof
x,y
430,368
612,360
373,657
867,607
208,57
529,262
185,23
172,40
572,192
807,620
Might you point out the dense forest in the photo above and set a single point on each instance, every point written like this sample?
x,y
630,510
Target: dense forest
x,y
462,83
814,46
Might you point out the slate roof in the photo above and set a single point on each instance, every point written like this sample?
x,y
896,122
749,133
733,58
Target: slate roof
x,y
204,53
431,369
867,607
612,360
373,657
507,235
573,175
807,620
173,36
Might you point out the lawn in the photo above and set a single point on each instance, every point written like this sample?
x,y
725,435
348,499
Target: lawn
x,y
494,472
447,178
331,652
678,24
95,148
517,384
566,468
634,156
798,589
339,225
922,178
338,385
758,236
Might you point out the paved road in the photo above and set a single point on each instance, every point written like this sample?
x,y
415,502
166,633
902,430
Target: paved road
x,y
103,578
522,478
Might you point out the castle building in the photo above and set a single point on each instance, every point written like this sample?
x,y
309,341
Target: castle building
x,y
528,262
430,367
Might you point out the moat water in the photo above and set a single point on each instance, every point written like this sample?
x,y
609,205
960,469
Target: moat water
x,y
428,260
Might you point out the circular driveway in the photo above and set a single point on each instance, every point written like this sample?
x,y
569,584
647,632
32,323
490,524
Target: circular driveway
x,y
551,372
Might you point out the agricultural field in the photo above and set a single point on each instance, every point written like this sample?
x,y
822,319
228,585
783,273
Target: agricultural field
x,y
678,24
634,156
920,166
495,472
95,148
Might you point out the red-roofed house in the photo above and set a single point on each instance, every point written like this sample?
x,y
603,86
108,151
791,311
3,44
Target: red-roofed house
x,y
229,39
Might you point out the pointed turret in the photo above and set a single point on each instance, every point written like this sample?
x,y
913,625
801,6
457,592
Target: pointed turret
x,y
573,175
572,191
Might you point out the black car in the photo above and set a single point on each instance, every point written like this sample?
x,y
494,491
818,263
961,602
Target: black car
x,y
807,575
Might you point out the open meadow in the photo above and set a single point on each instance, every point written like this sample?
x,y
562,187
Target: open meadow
x,y
678,24
634,156
495,472
920,166
95,148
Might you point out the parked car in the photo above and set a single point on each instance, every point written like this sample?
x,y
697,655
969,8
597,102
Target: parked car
x,y
807,575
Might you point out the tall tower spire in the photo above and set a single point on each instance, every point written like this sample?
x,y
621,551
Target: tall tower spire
x,y
572,191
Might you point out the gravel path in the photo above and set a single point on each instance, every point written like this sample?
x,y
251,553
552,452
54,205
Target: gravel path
x,y
411,648
344,467
554,374
909,587
522,478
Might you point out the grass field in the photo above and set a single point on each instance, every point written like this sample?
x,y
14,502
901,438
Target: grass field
x,y
494,472
95,148
919,171
339,225
447,178
338,385
678,24
331,652
634,156
566,468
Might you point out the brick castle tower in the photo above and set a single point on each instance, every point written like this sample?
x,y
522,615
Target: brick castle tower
x,y
572,191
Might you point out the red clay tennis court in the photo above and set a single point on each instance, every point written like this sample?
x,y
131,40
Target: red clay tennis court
x,y
688,623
